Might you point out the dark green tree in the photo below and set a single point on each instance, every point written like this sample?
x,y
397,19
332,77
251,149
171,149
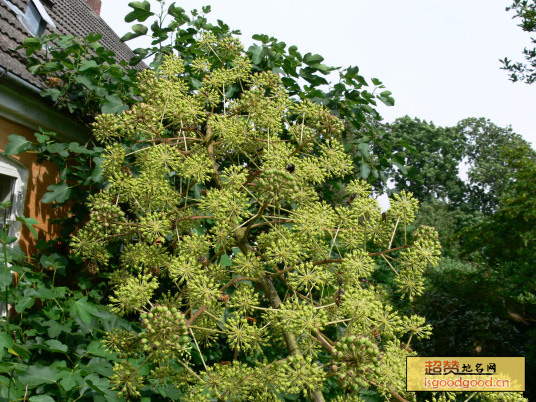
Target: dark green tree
x,y
436,153
489,171
512,252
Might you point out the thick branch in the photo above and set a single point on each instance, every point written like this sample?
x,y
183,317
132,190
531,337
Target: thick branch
x,y
197,314
252,220
391,250
320,337
236,280
290,339
191,218
210,150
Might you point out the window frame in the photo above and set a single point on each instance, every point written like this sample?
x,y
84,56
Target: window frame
x,y
14,169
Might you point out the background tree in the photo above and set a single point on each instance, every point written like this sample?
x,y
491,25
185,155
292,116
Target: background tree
x,y
435,156
482,274
525,10
489,171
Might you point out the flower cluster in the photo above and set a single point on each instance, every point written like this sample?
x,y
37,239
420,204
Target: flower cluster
x,y
165,334
355,361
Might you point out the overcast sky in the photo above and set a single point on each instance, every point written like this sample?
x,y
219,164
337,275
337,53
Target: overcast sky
x,y
440,58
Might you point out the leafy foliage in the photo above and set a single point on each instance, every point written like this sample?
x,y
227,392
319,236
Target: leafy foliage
x,y
49,342
490,170
525,10
82,76
435,154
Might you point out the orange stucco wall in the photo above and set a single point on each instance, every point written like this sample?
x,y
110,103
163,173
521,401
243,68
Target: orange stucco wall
x,y
40,175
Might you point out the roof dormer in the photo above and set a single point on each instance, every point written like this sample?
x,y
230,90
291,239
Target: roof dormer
x,y
35,19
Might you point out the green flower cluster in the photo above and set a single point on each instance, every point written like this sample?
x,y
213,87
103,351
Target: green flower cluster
x,y
355,361
165,334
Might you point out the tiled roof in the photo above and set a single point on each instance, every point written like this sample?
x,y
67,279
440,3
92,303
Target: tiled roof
x,y
71,17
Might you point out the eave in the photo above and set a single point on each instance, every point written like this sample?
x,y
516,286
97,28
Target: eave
x,y
21,103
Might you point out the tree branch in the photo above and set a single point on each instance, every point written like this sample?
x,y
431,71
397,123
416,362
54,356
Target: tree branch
x,y
391,250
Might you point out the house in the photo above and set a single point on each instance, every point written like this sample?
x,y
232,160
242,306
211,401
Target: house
x,y
23,111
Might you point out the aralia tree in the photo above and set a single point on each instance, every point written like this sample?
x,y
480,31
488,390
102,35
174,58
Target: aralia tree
x,y
216,235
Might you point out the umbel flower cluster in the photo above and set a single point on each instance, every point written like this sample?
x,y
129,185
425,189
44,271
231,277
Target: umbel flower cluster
x,y
246,280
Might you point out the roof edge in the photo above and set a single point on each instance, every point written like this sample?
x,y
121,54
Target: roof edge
x,y
21,102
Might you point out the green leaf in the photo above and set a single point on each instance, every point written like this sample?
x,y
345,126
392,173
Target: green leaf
x,y
257,53
14,253
41,398
178,13
29,222
376,82
32,45
19,351
83,309
6,342
225,261
93,37
196,84
24,303
97,349
5,278
88,64
101,385
5,367
401,167
57,193
71,380
364,170
56,346
7,240
311,59
139,30
37,375
54,93
53,261
45,293
365,149
141,11
114,105
52,66
58,148
387,100
41,138
412,172
85,81
55,328
17,145
100,366
79,149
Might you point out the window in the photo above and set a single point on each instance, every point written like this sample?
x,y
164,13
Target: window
x,y
35,19
13,181
7,190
